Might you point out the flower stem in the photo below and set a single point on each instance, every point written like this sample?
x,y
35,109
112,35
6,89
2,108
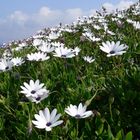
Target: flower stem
x,y
77,128
110,110
88,102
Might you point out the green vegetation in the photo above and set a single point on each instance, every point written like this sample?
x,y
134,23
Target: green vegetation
x,y
110,86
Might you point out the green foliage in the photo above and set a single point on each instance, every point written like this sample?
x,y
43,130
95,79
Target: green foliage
x,y
109,86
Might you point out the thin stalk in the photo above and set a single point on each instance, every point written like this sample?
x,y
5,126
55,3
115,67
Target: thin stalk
x,y
110,110
77,128
88,102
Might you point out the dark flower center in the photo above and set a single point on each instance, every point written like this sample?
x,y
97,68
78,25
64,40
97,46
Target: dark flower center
x,y
48,124
7,68
38,98
112,52
77,116
63,56
33,92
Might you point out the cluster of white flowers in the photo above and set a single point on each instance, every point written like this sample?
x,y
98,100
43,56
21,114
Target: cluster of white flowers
x,y
46,47
38,56
89,59
45,42
36,92
46,120
65,52
136,24
17,61
90,36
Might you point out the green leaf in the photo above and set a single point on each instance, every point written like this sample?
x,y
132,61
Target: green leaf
x,y
110,135
100,129
128,136
119,135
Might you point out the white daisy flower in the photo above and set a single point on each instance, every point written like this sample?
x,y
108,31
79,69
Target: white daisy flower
x,y
34,89
5,64
90,36
136,25
54,35
46,120
23,44
112,48
97,27
17,61
38,56
67,29
57,44
77,50
46,47
93,38
17,48
65,52
38,98
129,21
7,54
78,112
37,42
89,59
110,32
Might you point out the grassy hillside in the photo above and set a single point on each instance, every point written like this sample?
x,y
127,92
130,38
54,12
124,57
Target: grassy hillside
x,y
107,83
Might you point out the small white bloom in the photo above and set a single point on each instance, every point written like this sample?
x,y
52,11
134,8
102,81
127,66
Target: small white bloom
x,y
38,56
93,38
38,98
110,32
97,27
78,112
112,48
34,90
57,44
17,48
46,120
7,54
77,50
65,52
87,34
129,21
53,35
90,36
23,44
136,25
38,36
46,47
37,42
67,29
88,59
17,61
5,65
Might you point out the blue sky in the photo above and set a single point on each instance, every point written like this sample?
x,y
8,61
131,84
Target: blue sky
x,y
22,18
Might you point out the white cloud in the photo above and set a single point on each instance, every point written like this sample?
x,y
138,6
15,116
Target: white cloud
x,y
74,13
19,24
92,12
109,7
46,17
18,17
123,4
45,11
